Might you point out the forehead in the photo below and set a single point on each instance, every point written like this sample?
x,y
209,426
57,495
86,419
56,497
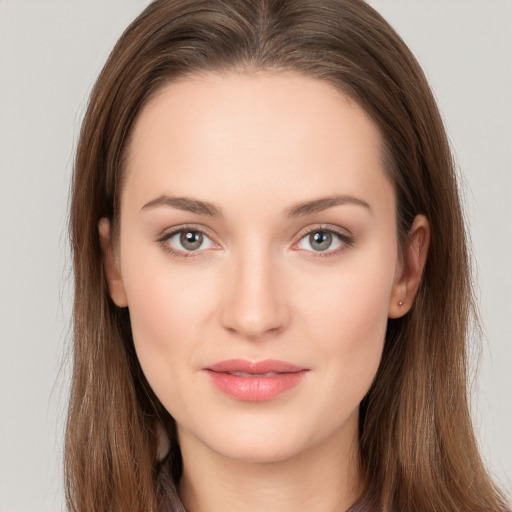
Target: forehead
x,y
254,133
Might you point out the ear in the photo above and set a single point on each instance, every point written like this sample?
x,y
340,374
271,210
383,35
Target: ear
x,y
410,270
110,267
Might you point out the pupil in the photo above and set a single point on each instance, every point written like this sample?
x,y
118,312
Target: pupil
x,y
191,240
320,240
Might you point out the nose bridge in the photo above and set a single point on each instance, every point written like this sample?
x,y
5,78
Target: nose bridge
x,y
255,305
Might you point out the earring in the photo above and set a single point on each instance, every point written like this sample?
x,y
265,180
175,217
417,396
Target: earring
x,y
400,304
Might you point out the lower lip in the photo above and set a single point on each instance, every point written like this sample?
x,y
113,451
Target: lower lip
x,y
256,389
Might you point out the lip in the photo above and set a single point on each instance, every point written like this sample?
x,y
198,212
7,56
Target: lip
x,y
255,381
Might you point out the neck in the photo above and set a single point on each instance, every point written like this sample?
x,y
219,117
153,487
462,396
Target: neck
x,y
323,478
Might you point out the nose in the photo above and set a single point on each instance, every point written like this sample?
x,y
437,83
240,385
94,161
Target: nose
x,y
254,306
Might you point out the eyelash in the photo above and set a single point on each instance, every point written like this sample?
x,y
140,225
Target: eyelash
x,y
346,240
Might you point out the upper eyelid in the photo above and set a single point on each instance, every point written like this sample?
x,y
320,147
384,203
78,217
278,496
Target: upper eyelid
x,y
171,231
342,232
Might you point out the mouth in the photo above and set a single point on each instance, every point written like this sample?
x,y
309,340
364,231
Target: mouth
x,y
255,381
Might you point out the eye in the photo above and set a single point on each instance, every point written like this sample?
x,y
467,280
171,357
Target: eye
x,y
323,241
187,240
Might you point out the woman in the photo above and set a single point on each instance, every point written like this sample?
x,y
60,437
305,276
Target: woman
x,y
271,277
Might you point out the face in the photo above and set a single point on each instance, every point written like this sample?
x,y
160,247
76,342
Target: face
x,y
258,258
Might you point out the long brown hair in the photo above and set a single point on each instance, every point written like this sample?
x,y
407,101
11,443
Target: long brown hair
x,y
417,447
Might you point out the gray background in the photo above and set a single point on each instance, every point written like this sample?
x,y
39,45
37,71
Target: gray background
x,y
50,53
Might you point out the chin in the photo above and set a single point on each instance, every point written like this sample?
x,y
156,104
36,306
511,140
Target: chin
x,y
262,440
265,449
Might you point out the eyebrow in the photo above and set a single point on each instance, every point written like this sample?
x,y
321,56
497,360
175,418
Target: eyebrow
x,y
319,205
297,210
186,204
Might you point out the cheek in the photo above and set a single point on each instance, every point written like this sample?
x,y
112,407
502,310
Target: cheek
x,y
164,298
155,331
168,308
347,319
353,328
351,302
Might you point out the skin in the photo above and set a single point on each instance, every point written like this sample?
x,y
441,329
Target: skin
x,y
256,145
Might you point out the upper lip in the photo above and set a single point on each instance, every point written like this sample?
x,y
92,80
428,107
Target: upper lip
x,y
255,368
